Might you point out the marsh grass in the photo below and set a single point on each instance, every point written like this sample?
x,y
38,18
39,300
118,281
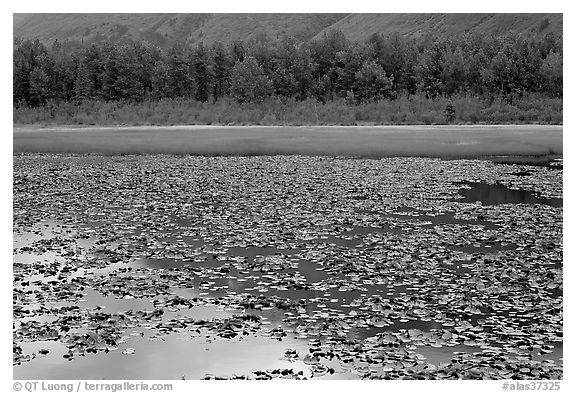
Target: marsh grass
x,y
275,111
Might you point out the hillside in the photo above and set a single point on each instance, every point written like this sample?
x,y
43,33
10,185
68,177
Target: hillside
x,y
165,29
358,27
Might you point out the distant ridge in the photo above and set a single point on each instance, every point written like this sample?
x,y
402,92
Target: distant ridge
x,y
165,29
358,27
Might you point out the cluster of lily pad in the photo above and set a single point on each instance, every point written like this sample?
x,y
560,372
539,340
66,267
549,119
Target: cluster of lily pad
x,y
375,263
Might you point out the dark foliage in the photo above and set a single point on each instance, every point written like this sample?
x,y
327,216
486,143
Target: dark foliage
x,y
327,69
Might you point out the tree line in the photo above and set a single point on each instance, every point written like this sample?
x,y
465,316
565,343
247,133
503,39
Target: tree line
x,y
329,68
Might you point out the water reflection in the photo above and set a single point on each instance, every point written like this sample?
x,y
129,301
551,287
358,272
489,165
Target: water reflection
x,y
495,194
172,357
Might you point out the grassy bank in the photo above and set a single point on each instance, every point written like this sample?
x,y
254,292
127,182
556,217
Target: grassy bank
x,y
414,110
439,141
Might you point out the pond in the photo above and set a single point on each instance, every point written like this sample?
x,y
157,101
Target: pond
x,y
170,267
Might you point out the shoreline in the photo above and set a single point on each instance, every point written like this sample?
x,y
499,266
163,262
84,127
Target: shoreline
x,y
24,128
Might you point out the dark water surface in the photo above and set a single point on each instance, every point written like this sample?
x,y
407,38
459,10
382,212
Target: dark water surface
x,y
496,194
552,161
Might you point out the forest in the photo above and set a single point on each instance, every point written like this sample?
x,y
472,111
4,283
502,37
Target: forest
x,y
386,79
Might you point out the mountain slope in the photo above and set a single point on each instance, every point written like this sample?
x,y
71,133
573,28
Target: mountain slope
x,y
358,27
165,29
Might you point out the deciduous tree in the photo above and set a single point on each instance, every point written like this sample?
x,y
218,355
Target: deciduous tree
x,y
249,84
